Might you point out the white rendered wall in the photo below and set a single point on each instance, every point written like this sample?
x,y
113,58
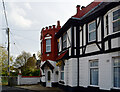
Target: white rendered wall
x,y
28,80
70,72
105,70
92,48
54,76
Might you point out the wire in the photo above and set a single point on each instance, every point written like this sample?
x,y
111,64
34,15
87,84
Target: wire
x,y
26,38
15,40
5,13
26,30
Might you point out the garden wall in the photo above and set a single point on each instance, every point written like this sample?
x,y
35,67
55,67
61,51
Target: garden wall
x,y
22,80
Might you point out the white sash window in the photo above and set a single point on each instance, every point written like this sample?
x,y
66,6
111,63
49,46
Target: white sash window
x,y
92,31
48,45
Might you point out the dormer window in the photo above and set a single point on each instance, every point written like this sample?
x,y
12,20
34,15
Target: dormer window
x,y
48,45
116,20
92,31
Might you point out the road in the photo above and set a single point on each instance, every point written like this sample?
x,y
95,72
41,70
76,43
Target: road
x,y
14,89
32,88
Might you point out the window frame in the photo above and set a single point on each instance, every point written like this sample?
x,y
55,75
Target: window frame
x,y
113,21
91,68
113,71
64,40
91,31
62,71
110,21
48,45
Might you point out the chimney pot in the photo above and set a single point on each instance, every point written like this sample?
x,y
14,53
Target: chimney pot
x,y
78,6
82,7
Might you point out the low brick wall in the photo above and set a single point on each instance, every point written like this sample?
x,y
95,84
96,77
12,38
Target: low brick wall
x,y
22,80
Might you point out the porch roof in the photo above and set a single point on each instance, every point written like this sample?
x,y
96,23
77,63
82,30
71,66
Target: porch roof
x,y
61,56
47,63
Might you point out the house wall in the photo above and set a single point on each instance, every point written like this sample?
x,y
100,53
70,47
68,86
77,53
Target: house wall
x,y
104,55
105,70
51,31
70,73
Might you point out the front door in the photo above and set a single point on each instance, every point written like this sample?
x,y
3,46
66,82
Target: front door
x,y
48,79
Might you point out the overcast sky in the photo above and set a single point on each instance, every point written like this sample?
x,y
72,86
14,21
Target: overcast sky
x,y
26,19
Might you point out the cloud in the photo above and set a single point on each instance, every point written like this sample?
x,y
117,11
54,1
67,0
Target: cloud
x,y
28,6
18,37
18,17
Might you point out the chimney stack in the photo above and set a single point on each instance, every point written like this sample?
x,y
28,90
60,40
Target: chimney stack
x,y
58,24
78,8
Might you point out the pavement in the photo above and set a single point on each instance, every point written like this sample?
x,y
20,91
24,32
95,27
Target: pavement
x,y
30,88
40,88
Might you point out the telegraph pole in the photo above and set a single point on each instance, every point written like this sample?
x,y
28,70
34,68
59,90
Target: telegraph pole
x,y
8,33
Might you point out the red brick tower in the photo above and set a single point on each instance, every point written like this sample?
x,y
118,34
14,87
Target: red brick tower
x,y
49,47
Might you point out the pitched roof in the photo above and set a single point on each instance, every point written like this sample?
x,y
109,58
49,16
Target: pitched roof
x,y
87,14
85,10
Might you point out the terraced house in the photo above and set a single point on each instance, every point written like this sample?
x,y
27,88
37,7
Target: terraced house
x,y
89,49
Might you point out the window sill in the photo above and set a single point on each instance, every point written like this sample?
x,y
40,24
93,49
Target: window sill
x,y
111,34
96,86
62,82
91,42
115,88
47,52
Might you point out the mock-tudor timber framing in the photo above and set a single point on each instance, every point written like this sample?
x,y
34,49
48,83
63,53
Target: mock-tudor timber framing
x,y
76,22
77,26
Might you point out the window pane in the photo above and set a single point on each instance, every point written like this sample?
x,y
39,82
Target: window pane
x,y
48,48
116,14
64,36
62,75
92,26
64,44
48,45
62,67
117,77
48,42
92,36
116,26
64,40
93,63
117,62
